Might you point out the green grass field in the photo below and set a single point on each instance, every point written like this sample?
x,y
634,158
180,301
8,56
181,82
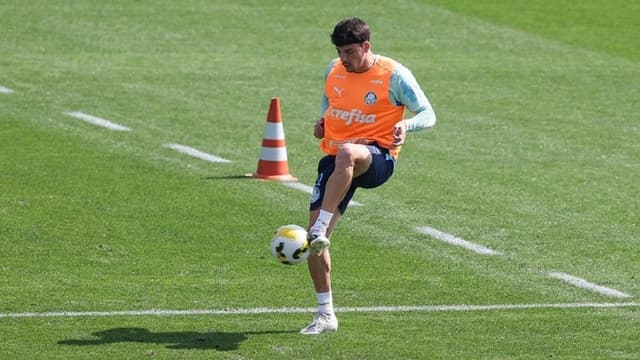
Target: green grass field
x,y
535,155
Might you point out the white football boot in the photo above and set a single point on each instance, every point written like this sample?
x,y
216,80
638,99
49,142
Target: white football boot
x,y
318,244
321,323
318,240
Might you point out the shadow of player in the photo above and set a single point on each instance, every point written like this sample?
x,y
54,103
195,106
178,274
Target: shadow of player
x,y
217,340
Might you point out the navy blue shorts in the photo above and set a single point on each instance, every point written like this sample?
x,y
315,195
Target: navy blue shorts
x,y
379,172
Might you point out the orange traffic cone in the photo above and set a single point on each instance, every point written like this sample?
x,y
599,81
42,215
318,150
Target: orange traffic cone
x,y
273,164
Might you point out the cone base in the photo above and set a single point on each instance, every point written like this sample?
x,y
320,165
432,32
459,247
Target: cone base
x,y
286,177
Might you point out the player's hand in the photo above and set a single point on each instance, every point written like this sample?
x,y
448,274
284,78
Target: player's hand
x,y
318,129
399,133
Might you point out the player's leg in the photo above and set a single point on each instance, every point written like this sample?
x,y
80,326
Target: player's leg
x,y
320,272
320,266
379,171
351,161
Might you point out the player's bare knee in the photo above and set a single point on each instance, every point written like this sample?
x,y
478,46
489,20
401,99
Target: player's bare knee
x,y
347,155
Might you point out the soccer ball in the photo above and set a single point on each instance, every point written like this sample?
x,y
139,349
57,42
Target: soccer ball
x,y
289,244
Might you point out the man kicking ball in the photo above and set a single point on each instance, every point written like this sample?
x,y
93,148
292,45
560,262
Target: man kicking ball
x,y
362,130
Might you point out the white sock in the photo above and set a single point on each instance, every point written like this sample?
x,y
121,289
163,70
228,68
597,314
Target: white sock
x,y
324,219
325,303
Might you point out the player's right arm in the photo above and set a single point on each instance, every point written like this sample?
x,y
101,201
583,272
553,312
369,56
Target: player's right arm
x,y
318,129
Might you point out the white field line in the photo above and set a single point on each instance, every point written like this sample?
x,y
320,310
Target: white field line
x,y
299,310
196,153
448,238
309,189
5,90
97,121
582,283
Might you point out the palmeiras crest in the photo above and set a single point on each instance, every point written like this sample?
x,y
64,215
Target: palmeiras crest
x,y
370,98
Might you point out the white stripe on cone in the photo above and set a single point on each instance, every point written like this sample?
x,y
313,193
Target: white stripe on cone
x,y
273,154
274,131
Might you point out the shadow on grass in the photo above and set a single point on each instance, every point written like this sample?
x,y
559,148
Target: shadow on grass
x,y
222,341
227,177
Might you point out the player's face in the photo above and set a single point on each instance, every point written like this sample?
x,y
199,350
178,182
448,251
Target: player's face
x,y
355,57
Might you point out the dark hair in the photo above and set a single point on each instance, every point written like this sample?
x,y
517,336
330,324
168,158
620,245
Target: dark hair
x,y
350,31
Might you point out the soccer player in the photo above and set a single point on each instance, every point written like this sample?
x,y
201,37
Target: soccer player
x,y
362,130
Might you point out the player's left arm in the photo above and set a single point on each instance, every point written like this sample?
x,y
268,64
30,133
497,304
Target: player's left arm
x,y
405,90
